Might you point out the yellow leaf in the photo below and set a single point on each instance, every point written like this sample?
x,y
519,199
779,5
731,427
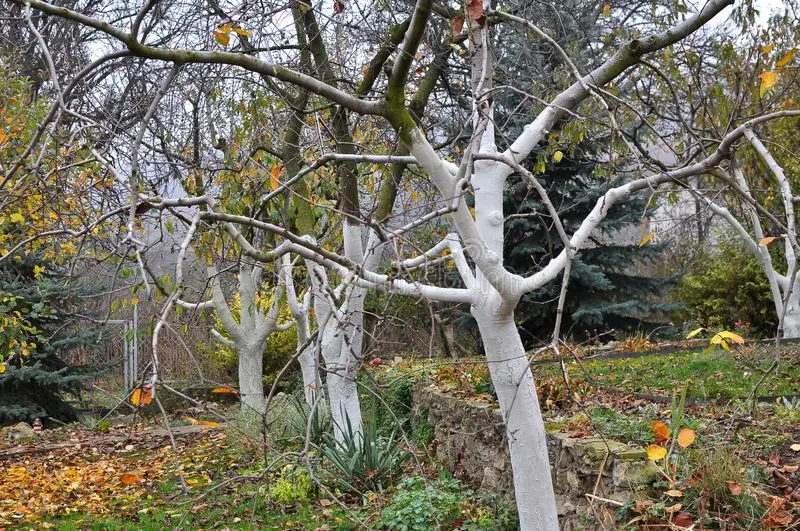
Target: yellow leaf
x,y
2,368
766,49
646,238
786,59
37,271
768,80
222,38
242,32
661,431
142,397
686,437
16,217
557,156
225,28
693,333
607,10
273,176
736,338
656,452
763,242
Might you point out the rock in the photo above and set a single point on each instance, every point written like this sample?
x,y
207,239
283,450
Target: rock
x,y
21,431
629,474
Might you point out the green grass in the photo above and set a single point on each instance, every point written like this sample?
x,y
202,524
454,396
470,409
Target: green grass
x,y
220,511
709,375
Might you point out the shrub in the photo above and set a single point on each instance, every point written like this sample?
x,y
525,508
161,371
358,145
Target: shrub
x,y
293,486
725,287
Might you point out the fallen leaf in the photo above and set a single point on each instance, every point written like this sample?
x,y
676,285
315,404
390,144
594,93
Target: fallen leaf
x,y
795,447
673,508
686,437
734,488
763,242
683,519
661,431
224,391
131,478
646,238
674,493
656,452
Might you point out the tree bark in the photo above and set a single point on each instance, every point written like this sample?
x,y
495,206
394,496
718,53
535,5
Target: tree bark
x,y
251,385
516,393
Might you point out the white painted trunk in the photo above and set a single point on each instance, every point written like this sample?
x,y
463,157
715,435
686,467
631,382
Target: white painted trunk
x,y
791,321
251,383
516,393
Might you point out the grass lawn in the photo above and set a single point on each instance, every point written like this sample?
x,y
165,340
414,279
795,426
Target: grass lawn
x,y
708,375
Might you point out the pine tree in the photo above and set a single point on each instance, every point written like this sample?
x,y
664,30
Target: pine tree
x,y
35,304
603,292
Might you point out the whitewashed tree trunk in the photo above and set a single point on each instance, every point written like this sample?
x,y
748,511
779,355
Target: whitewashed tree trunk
x,y
516,393
251,383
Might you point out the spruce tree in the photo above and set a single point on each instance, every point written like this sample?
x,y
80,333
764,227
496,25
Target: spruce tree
x,y
36,305
604,293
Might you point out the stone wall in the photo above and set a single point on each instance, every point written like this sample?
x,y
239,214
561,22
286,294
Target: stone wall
x,y
469,439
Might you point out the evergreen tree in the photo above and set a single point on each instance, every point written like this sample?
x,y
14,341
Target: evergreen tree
x,y
604,293
39,326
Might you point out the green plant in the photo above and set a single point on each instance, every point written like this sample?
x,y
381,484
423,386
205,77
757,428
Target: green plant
x,y
417,506
290,421
293,486
362,463
727,286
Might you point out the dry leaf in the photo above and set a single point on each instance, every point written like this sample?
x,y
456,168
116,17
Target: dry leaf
x,y
656,452
661,431
683,519
224,391
222,38
475,11
673,508
457,25
142,397
763,242
674,493
646,238
795,448
686,437
131,478
734,488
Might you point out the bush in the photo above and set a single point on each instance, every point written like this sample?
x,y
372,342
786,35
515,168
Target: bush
x,y
293,486
727,287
